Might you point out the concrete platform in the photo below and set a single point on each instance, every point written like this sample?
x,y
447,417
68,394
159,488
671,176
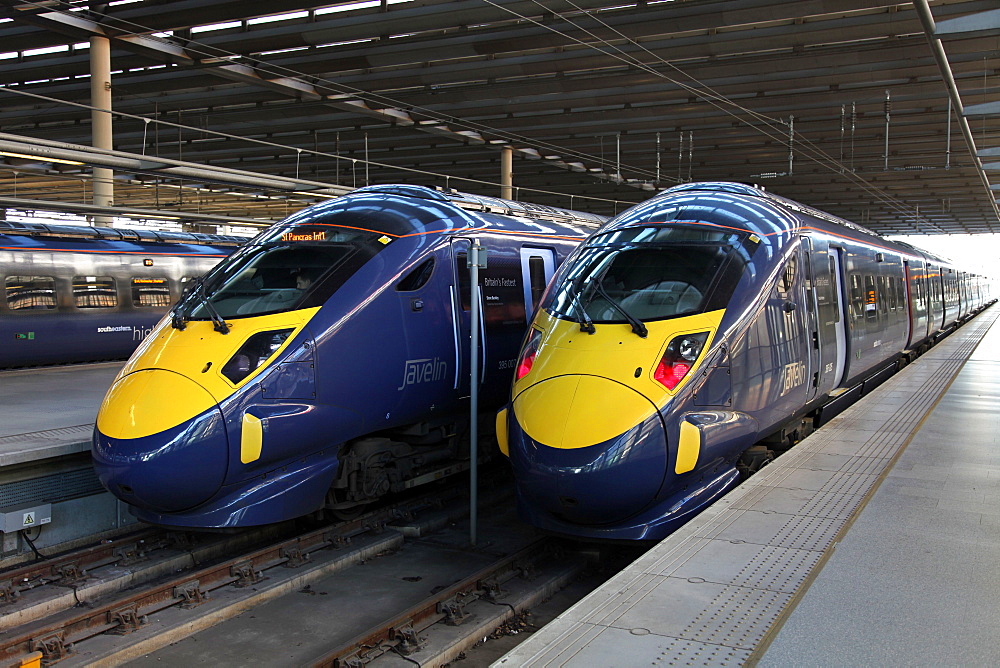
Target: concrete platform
x,y
46,423
50,412
872,542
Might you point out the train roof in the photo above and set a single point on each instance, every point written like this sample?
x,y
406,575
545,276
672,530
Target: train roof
x,y
791,205
759,191
489,204
74,232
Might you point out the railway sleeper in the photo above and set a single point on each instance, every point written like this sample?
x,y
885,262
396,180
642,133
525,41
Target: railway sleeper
x,y
8,593
130,555
246,575
53,648
293,556
126,620
409,640
70,575
492,589
453,608
190,593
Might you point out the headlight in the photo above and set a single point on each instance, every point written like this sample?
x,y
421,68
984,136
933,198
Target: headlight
x,y
680,356
527,358
253,353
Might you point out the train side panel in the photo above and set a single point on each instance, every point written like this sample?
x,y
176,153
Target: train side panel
x,y
82,300
334,352
823,311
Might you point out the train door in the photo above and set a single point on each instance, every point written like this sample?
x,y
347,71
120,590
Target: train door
x,y
537,266
790,337
808,298
838,314
461,302
916,301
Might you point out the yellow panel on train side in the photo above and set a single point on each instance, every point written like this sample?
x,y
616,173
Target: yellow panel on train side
x,y
614,351
199,352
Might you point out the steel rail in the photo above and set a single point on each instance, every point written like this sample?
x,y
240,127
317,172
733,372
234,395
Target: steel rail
x,y
72,567
400,633
121,614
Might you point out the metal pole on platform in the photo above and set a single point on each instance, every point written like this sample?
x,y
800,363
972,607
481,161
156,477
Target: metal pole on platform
x,y
476,261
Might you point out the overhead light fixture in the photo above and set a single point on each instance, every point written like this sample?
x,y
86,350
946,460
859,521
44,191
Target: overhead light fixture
x,y
40,158
308,194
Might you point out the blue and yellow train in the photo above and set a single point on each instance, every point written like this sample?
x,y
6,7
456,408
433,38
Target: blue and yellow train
x,y
80,294
326,363
690,328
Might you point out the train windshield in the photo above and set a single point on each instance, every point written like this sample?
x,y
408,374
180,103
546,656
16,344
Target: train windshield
x,y
282,270
634,275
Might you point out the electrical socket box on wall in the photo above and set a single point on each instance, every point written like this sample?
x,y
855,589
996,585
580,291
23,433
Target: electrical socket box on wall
x,y
14,519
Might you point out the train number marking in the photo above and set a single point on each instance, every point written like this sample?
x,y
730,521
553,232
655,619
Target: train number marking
x,y
425,370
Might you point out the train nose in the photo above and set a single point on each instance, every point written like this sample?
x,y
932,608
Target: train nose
x,y
587,449
160,441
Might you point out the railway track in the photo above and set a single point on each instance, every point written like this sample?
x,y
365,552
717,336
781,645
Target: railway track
x,y
155,591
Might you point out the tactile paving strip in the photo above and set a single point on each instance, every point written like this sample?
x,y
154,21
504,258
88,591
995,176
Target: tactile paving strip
x,y
685,653
83,431
758,546
738,617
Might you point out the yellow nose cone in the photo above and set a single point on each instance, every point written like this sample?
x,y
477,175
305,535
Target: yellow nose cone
x,y
579,411
150,401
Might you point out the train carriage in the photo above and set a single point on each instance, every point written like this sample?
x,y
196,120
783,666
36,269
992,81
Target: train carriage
x,y
689,329
80,293
326,363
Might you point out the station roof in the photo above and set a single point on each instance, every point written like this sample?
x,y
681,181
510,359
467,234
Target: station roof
x,y
843,105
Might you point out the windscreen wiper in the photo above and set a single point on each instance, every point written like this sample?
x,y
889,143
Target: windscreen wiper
x,y
586,324
637,325
220,324
179,317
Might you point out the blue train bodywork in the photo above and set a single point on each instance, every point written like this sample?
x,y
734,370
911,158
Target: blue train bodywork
x,y
693,326
79,294
326,363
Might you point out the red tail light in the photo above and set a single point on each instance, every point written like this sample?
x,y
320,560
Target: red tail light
x,y
680,356
671,373
528,353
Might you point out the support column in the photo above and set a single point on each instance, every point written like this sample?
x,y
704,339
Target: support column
x,y
100,99
507,172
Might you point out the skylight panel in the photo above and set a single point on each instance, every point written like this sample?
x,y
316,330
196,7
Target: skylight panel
x,y
217,26
278,17
356,5
49,49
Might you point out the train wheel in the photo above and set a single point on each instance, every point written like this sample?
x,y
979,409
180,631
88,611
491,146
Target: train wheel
x,y
754,459
348,514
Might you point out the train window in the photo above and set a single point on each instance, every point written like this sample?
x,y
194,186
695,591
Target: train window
x,y
94,292
464,280
647,282
857,296
871,297
30,292
417,278
536,273
276,277
786,282
883,293
150,291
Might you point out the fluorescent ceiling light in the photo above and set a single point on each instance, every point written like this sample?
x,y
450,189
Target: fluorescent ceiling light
x,y
308,194
40,158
